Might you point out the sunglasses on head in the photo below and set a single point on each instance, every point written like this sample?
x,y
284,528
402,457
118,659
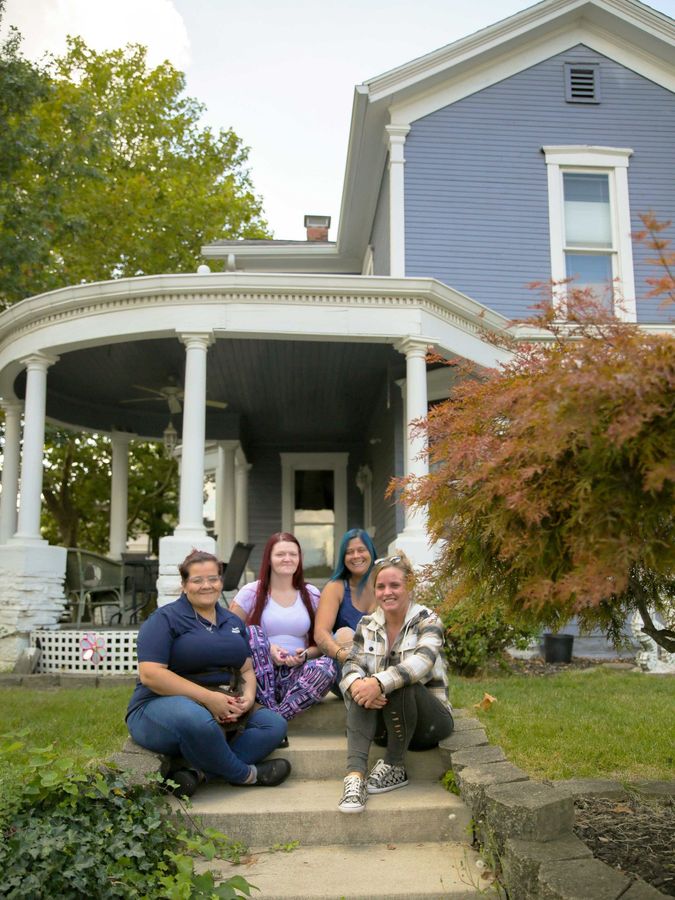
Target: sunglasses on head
x,y
387,559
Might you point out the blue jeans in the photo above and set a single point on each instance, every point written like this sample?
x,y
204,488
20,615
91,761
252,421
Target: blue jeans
x,y
178,726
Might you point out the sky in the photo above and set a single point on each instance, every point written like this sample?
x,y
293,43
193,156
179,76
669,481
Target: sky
x,y
281,73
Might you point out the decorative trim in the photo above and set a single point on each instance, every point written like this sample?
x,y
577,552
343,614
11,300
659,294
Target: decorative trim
x,y
396,139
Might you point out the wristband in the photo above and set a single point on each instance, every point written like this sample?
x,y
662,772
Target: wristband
x,y
380,683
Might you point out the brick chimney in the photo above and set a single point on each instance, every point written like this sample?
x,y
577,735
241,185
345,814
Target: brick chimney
x,y
317,227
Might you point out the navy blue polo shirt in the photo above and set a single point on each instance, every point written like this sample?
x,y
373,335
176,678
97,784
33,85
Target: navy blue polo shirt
x,y
177,637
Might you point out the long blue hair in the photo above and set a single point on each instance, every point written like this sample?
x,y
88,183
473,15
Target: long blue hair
x,y
341,570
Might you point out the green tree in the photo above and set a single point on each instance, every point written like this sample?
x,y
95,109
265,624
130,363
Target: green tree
x,y
106,172
135,184
552,480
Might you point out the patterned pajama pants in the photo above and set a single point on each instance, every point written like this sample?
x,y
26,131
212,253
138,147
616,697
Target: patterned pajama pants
x,y
288,690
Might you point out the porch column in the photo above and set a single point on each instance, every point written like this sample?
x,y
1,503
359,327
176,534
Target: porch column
x,y
241,499
28,530
10,469
413,539
31,571
397,135
225,497
119,493
191,503
190,532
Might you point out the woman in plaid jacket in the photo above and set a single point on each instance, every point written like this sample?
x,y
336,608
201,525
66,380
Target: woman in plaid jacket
x,y
395,676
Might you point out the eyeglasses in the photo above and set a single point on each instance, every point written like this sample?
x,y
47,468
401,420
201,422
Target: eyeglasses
x,y
388,559
198,580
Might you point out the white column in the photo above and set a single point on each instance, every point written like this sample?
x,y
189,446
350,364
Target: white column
x,y
28,530
397,135
190,532
191,503
225,497
413,539
241,499
119,491
10,469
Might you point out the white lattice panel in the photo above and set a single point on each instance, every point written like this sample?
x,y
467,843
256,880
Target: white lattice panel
x,y
103,652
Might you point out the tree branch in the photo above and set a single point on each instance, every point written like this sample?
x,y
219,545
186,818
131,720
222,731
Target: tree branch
x,y
664,637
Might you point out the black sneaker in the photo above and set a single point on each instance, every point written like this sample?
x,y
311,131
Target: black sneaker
x,y
187,781
272,772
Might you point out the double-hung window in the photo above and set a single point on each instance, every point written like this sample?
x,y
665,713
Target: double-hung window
x,y
589,218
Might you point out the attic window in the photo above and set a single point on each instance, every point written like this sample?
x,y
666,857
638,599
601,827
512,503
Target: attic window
x,y
582,83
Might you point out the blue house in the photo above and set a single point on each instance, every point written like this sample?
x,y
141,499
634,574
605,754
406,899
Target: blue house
x,y
524,152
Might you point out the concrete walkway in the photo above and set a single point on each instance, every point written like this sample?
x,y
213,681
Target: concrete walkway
x,y
409,843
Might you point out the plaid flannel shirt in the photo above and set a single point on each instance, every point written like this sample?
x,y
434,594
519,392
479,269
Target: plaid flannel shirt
x,y
416,655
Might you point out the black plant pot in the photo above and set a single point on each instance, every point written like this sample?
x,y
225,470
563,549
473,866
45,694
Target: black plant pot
x,y
558,648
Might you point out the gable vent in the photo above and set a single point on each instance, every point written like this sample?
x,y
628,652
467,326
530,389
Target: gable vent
x,y
582,83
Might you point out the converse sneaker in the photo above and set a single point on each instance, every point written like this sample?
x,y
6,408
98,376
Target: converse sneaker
x,y
384,777
354,795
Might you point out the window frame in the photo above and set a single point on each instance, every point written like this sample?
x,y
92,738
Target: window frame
x,y
610,161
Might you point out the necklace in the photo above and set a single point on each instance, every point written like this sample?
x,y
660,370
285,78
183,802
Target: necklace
x,y
208,628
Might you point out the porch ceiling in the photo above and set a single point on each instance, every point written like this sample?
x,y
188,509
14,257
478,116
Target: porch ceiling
x,y
278,392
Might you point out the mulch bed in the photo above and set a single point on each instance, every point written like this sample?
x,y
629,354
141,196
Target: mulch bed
x,y
633,835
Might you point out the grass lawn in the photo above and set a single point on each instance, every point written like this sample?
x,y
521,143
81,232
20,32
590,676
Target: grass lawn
x,y
85,723
593,723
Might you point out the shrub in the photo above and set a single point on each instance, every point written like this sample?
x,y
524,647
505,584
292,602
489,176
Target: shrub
x,y
70,832
472,639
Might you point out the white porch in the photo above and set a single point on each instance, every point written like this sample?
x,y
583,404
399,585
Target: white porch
x,y
74,354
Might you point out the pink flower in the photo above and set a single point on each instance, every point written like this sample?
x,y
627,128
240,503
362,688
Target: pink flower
x,y
93,648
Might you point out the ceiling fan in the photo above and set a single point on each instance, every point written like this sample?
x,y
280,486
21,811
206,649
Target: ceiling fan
x,y
171,394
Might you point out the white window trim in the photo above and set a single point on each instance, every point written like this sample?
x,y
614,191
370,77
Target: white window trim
x,y
614,162
335,462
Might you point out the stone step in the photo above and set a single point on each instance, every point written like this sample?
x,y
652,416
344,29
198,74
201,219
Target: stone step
x,y
306,811
395,871
317,756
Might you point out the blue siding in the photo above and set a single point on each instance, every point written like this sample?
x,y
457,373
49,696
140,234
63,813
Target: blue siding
x,y
475,180
380,234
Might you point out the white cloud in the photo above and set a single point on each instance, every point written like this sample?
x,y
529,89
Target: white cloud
x,y
103,25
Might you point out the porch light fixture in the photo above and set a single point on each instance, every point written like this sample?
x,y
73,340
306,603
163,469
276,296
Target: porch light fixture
x,y
170,438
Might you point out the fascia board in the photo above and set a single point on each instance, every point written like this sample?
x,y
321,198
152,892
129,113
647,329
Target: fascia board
x,y
366,155
496,69
655,30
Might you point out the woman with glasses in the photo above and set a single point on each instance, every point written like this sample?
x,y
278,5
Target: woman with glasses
x,y
195,697
279,610
395,675
347,596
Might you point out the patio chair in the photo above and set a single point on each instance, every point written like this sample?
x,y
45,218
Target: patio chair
x,y
234,567
93,582
141,573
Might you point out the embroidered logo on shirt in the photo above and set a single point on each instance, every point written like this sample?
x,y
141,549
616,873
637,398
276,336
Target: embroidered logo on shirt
x,y
236,631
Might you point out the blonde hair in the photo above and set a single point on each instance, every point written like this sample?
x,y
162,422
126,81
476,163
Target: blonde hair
x,y
398,560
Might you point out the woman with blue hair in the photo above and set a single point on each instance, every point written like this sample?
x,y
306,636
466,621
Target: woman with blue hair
x,y
347,596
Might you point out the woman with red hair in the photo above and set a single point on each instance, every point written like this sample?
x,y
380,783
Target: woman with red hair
x,y
279,610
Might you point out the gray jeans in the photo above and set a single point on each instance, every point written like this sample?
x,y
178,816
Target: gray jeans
x,y
413,718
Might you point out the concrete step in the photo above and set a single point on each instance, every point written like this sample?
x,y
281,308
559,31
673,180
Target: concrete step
x,y
327,717
307,811
317,756
330,716
395,871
